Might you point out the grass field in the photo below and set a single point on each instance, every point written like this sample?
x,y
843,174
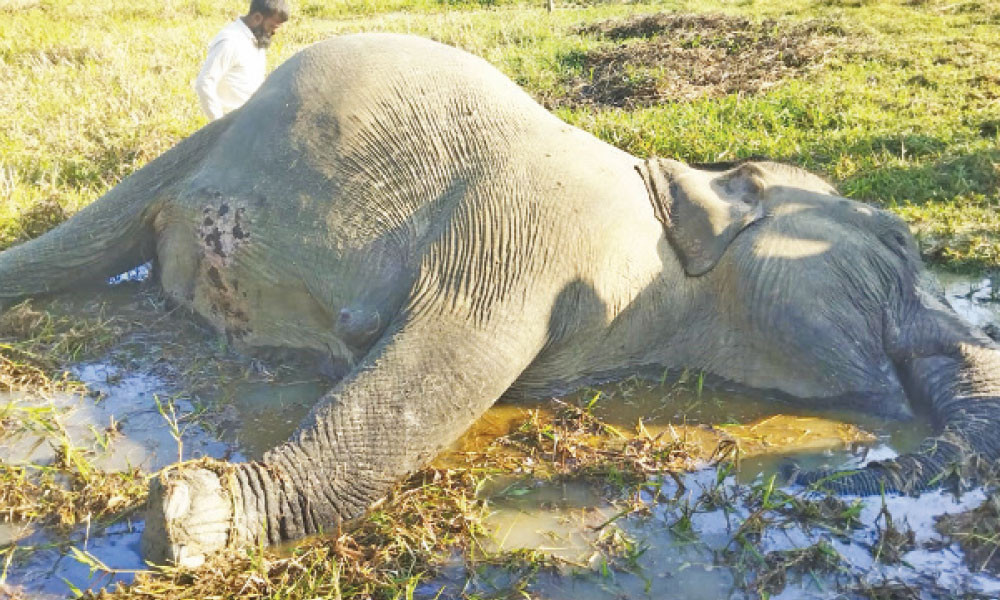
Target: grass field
x,y
897,102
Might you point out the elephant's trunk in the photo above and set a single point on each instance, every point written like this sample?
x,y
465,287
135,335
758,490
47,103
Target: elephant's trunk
x,y
961,385
108,237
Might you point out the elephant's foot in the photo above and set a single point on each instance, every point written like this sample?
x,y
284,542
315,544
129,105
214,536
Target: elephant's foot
x,y
190,513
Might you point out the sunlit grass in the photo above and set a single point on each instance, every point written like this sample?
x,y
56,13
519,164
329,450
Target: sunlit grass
x,y
902,114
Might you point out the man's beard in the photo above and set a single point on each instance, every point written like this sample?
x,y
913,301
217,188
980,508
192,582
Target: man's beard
x,y
263,38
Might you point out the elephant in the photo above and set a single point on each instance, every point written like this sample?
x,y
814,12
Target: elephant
x,y
404,207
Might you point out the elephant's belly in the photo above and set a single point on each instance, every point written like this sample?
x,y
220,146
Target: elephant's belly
x,y
258,312
251,297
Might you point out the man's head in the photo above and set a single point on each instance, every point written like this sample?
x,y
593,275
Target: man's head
x,y
264,18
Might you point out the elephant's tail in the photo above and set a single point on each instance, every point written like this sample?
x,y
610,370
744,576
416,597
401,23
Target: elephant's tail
x,y
108,237
958,377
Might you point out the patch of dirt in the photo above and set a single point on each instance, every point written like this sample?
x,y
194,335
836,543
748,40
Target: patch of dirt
x,y
40,217
678,57
989,128
707,26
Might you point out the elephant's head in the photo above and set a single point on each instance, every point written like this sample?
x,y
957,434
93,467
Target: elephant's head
x,y
821,297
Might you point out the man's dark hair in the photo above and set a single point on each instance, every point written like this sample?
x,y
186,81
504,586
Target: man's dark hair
x,y
270,8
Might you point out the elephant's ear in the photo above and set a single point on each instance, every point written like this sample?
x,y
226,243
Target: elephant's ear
x,y
701,215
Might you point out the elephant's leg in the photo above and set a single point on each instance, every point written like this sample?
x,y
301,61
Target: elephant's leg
x,y
416,392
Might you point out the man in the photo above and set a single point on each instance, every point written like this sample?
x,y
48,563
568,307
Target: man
x,y
236,61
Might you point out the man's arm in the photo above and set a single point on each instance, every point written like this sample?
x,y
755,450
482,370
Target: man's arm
x,y
220,59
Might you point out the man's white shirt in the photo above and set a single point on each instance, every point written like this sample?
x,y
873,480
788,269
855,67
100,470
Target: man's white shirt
x,y
233,71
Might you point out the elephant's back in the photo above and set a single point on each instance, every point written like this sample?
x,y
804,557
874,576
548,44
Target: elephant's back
x,y
413,93
356,71
378,134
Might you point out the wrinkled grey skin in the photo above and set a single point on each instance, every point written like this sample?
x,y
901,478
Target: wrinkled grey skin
x,y
404,207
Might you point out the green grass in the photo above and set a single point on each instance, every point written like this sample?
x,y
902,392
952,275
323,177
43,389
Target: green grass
x,y
903,112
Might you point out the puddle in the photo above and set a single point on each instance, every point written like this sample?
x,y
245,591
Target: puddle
x,y
43,563
265,414
561,529
689,564
121,425
123,422
692,563
242,417
977,299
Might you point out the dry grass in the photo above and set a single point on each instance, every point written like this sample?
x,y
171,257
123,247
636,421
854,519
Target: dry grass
x,y
438,512
35,344
21,370
571,441
39,217
439,515
434,513
773,576
978,533
45,497
892,542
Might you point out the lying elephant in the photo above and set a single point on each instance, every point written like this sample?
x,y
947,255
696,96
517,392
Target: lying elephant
x,y
405,207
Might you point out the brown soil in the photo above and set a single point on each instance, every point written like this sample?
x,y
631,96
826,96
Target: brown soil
x,y
40,217
677,57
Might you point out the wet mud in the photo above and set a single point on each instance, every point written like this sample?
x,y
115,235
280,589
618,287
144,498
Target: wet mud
x,y
168,389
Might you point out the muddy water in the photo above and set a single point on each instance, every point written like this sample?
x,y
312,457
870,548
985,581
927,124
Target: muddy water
x,y
679,565
124,421
242,418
